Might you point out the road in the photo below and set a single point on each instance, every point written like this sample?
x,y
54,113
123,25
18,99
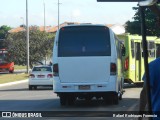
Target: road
x,y
19,98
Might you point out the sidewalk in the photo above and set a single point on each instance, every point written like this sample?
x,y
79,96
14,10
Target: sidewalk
x,y
13,83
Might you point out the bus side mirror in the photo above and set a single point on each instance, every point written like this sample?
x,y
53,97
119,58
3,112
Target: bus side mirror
x,y
123,50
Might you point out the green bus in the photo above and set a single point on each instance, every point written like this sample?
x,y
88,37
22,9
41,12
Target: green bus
x,y
133,61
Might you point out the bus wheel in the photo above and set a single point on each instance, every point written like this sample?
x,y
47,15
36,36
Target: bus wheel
x,y
71,100
115,98
107,99
120,96
88,98
30,87
35,87
63,99
120,93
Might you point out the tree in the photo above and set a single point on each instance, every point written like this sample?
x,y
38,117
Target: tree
x,y
41,45
4,31
134,27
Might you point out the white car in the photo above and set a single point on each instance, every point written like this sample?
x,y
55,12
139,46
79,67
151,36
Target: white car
x,y
41,76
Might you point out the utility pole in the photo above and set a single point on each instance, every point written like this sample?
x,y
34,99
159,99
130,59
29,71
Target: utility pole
x,y
58,13
27,36
145,53
44,16
45,25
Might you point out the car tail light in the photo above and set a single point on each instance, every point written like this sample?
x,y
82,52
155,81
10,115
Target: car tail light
x,y
113,69
49,76
126,63
55,70
32,76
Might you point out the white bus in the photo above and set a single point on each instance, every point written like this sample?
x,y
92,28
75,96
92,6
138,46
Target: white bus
x,y
87,64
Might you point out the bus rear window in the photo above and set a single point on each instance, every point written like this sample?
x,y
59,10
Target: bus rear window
x,y
84,41
151,49
132,49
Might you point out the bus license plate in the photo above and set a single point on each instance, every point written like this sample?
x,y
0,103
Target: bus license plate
x,y
84,87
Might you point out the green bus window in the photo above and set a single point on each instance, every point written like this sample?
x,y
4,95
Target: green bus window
x,y
151,49
138,56
132,49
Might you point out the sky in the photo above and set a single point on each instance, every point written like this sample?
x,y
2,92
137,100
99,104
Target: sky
x,y
13,12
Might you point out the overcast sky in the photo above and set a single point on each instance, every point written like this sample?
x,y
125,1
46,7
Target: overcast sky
x,y
13,12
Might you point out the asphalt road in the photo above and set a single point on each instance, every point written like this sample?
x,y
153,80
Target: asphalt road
x,y
19,98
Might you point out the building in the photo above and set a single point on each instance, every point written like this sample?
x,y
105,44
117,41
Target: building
x,y
117,29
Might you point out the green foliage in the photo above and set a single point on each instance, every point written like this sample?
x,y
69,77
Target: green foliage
x,y
4,31
133,27
152,28
41,45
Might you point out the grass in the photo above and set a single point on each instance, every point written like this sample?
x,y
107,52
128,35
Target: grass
x,y
19,67
6,78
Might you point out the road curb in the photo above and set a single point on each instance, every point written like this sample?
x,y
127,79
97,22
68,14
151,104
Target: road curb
x,y
13,83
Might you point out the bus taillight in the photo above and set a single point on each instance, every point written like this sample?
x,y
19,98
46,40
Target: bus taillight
x,y
113,69
55,70
126,64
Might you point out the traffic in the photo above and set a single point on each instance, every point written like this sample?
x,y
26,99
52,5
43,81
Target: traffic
x,y
70,84
83,69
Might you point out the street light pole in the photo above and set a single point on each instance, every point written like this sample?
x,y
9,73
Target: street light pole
x,y
58,13
145,54
44,16
45,26
27,36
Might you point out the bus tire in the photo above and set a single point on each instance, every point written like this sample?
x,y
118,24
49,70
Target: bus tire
x,y
120,97
30,87
71,100
35,87
115,99
107,99
88,98
120,91
63,99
